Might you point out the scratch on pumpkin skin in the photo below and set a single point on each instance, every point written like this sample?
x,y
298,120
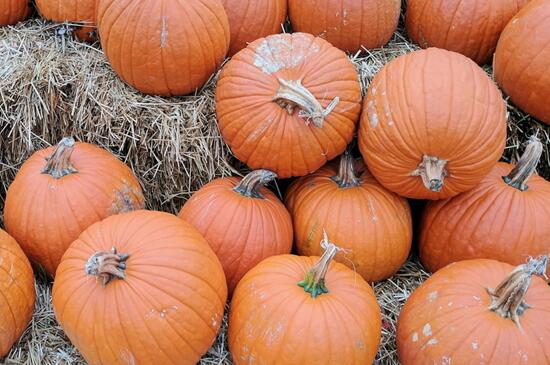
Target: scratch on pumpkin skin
x,y
164,33
264,60
126,199
127,357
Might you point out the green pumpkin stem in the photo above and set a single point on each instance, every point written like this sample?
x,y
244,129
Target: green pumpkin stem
x,y
250,185
526,166
58,164
346,177
433,172
107,266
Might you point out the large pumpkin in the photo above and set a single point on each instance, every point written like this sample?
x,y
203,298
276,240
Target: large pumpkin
x,y
505,217
522,59
80,12
140,288
253,19
373,225
470,27
16,292
478,312
14,11
62,190
291,310
433,125
242,221
164,47
288,103
348,25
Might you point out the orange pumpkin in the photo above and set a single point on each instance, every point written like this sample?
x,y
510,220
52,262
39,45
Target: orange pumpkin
x,y
522,60
14,11
478,312
81,12
16,292
172,50
140,288
242,221
60,191
434,124
348,25
504,218
291,310
470,27
373,225
288,103
253,19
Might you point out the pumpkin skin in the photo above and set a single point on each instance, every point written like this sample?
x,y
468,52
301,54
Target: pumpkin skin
x,y
72,11
264,128
447,320
434,124
348,25
166,309
68,204
253,19
470,27
14,11
176,48
243,224
522,60
16,292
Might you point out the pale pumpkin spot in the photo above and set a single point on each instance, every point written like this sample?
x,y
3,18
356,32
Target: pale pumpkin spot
x,y
415,337
126,199
432,342
433,296
427,330
264,58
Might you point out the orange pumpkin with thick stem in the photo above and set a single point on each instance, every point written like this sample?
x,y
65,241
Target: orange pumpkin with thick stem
x,y
14,11
60,191
478,312
505,217
433,125
288,103
16,292
243,222
304,310
372,224
140,288
79,12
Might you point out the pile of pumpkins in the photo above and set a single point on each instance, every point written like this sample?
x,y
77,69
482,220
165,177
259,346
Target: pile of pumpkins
x,y
133,286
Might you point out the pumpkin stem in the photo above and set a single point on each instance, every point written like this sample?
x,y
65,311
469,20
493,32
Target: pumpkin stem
x,y
508,297
346,177
433,171
58,164
314,282
106,266
293,93
250,185
526,166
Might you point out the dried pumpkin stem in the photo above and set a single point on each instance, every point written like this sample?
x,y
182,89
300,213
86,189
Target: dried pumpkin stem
x,y
250,185
433,171
526,166
314,282
508,297
346,177
58,164
106,266
293,93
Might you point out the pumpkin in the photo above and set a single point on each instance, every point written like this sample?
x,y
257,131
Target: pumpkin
x,y
348,25
478,312
373,225
522,60
470,27
504,218
242,221
16,292
173,50
14,11
60,191
140,288
288,103
253,19
434,124
80,13
304,310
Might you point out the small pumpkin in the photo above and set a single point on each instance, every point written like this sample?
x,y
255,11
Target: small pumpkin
x,y
288,103
522,60
16,292
304,310
348,25
373,224
434,124
505,217
81,13
173,50
140,288
60,191
253,19
14,11
478,312
243,222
